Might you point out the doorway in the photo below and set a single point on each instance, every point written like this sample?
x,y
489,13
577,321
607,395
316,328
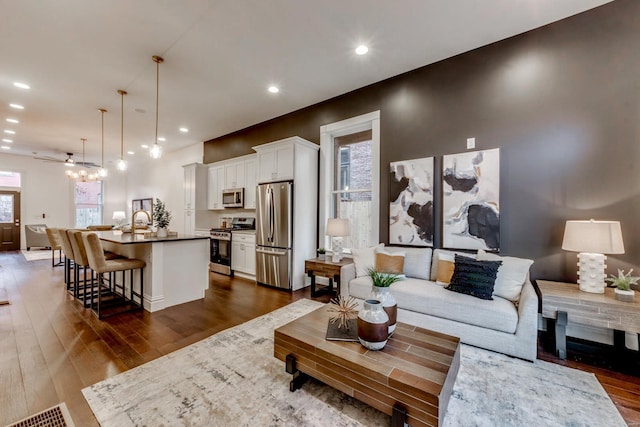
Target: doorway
x,y
9,220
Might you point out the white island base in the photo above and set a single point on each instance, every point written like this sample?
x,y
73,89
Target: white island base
x,y
177,269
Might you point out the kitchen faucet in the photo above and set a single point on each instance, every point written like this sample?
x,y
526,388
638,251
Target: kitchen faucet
x,y
133,219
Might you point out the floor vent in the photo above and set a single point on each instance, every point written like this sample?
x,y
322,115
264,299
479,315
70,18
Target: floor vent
x,y
58,416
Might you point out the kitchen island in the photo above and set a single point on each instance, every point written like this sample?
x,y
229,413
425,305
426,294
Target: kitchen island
x,y
177,269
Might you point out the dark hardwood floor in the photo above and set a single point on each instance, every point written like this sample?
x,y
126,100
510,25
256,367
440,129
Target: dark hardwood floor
x,y
51,347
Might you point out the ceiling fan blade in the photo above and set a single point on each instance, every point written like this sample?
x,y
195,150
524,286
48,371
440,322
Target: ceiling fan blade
x,y
48,159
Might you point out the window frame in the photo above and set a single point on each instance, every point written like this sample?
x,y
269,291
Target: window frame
x,y
75,204
328,182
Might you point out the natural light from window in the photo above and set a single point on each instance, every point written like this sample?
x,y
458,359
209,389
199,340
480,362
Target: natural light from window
x,y
9,179
88,202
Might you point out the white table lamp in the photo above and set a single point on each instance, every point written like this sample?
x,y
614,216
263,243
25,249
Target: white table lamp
x,y
119,217
337,228
592,239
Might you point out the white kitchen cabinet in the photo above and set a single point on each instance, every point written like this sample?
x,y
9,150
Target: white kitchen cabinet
x,y
216,185
234,175
189,221
195,186
243,254
275,162
251,181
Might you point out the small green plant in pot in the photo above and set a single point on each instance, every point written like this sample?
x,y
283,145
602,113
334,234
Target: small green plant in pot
x,y
161,218
381,291
622,283
321,253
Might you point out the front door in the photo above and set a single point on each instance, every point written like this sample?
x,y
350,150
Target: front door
x,y
9,220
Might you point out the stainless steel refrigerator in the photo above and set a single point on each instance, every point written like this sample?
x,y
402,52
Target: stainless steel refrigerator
x,y
274,233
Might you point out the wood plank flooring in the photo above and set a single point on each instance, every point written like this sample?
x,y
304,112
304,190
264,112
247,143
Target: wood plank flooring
x,y
51,347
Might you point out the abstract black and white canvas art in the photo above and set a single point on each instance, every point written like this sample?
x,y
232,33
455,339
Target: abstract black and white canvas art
x,y
411,206
470,200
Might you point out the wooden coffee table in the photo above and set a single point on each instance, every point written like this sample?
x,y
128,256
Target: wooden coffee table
x,y
411,379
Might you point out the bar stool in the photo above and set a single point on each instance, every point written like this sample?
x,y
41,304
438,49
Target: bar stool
x,y
84,287
67,249
56,245
113,294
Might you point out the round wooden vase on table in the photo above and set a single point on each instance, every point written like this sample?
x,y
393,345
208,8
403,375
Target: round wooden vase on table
x,y
389,304
373,325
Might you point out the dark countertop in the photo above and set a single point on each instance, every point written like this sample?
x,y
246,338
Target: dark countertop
x,y
126,239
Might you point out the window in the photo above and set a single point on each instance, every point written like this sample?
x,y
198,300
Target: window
x,y
88,201
350,178
9,179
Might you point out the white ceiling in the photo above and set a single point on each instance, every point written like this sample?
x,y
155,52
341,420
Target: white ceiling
x,y
220,57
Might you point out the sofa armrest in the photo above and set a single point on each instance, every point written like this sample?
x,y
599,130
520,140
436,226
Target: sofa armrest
x,y
347,274
528,316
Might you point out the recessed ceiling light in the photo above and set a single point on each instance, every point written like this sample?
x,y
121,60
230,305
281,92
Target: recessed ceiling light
x,y
362,49
21,85
7,140
13,121
6,147
16,106
184,130
10,132
131,152
162,139
144,146
273,89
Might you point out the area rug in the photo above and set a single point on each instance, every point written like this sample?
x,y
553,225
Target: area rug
x,y
36,255
232,378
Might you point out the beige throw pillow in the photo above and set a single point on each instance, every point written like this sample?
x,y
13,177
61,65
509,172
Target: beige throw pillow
x,y
511,274
446,265
390,263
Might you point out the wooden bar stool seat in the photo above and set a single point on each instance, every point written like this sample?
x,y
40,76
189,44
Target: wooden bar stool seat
x,y
113,296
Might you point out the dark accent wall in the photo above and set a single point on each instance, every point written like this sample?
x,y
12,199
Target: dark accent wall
x,y
561,102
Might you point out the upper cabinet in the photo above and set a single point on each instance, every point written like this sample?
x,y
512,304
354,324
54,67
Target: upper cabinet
x,y
216,185
240,172
234,174
277,160
251,181
275,163
195,186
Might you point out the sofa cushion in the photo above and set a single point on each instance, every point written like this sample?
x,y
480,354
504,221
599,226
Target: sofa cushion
x,y
436,258
391,263
364,259
473,277
426,297
511,274
417,261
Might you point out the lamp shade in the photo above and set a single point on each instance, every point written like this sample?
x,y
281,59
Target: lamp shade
x,y
603,237
118,215
337,227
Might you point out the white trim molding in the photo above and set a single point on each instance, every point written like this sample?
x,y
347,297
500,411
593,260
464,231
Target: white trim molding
x,y
369,121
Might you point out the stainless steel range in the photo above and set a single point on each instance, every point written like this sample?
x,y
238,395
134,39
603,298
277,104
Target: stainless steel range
x,y
220,244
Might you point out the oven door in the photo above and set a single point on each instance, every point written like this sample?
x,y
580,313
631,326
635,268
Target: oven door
x,y
220,256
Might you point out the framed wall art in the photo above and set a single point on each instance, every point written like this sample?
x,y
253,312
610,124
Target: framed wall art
x,y
471,200
411,202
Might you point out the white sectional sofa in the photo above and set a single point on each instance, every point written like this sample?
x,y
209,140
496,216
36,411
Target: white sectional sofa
x,y
501,325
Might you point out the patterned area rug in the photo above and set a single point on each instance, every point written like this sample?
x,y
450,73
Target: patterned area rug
x,y
37,254
232,378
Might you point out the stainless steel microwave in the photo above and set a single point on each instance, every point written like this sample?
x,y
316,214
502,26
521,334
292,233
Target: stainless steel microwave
x,y
233,198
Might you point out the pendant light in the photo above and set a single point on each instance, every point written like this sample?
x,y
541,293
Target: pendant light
x,y
122,164
156,150
102,172
82,174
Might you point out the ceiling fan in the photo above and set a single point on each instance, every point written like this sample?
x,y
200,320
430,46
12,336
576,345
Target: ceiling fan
x,y
69,161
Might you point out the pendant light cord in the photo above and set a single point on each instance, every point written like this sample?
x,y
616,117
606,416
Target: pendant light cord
x,y
157,95
122,94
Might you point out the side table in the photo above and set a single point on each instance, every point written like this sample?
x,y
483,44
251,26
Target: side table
x,y
565,302
325,268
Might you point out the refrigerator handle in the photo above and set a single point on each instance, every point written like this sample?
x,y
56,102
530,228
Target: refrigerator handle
x,y
271,214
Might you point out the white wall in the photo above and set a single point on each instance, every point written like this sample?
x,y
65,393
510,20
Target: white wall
x,y
163,179
46,190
